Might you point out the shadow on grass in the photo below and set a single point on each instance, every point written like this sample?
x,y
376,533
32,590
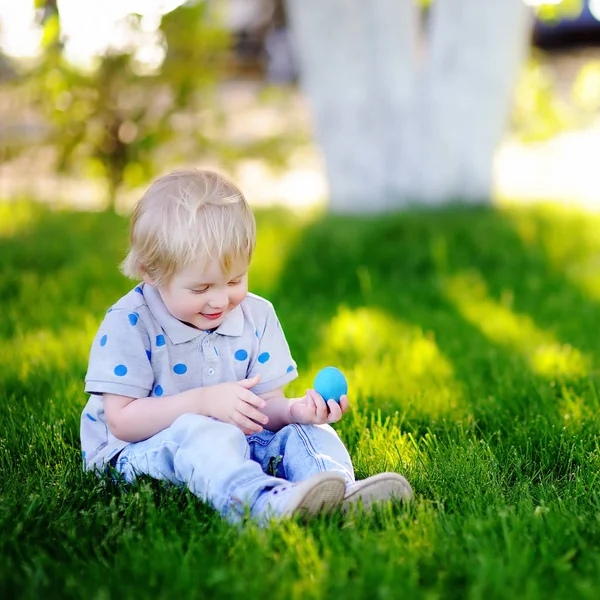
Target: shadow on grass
x,y
418,267
484,288
58,265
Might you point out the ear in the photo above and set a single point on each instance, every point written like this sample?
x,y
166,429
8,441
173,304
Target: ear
x,y
147,279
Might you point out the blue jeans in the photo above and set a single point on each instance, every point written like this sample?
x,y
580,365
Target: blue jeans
x,y
228,469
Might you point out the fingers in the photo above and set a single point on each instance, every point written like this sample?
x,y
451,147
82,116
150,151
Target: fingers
x,y
249,383
245,424
335,411
321,409
251,412
344,403
250,398
309,402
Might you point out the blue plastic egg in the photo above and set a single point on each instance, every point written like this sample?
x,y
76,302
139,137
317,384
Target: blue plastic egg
x,y
331,383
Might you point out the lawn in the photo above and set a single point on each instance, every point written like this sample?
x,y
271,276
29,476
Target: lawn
x,y
470,341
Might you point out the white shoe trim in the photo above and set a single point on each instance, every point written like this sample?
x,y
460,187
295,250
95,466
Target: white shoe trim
x,y
377,488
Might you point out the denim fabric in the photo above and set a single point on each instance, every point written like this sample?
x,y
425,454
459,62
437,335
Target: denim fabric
x,y
229,470
303,450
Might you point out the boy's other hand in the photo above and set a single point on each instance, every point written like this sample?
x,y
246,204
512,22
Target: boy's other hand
x,y
234,403
313,410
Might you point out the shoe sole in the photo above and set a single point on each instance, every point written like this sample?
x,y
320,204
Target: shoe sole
x,y
379,488
324,496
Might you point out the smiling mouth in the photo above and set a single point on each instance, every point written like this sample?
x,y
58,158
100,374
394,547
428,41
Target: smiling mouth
x,y
213,316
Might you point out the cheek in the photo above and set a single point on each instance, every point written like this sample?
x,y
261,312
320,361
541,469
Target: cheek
x,y
183,304
238,295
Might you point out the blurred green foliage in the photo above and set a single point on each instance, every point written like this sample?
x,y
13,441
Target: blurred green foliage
x,y
554,11
539,112
109,122
541,109
586,90
120,122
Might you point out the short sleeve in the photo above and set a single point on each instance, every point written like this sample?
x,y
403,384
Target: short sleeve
x,y
120,357
273,360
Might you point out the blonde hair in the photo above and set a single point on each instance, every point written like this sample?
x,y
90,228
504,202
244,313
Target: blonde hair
x,y
185,217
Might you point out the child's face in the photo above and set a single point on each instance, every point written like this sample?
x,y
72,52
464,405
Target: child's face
x,y
202,295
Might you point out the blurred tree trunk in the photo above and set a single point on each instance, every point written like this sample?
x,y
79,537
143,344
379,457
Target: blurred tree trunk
x,y
402,119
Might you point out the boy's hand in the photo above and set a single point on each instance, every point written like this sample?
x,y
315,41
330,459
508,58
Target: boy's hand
x,y
313,410
234,403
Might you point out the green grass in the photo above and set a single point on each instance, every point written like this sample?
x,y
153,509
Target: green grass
x,y
470,341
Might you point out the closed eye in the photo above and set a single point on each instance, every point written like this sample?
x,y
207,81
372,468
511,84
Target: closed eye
x,y
199,291
235,282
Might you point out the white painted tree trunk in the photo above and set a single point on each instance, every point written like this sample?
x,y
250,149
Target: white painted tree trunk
x,y
395,127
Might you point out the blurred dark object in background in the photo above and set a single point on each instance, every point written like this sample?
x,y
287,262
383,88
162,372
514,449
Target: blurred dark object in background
x,y
261,40
568,32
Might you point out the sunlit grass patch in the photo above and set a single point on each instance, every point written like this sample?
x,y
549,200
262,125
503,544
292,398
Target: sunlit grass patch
x,y
568,240
389,363
44,352
565,235
379,444
290,548
517,333
575,405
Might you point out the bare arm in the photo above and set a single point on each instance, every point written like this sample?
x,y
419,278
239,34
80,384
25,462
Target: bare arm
x,y
277,408
136,419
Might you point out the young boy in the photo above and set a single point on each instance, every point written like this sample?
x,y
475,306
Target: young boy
x,y
186,372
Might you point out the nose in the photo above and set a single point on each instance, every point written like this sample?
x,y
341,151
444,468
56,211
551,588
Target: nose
x,y
219,301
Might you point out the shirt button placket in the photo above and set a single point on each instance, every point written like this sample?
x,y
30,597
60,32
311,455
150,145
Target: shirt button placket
x,y
211,360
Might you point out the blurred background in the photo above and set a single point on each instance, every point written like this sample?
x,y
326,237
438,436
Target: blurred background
x,y
97,97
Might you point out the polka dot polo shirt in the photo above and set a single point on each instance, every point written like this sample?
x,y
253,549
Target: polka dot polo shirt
x,y
141,350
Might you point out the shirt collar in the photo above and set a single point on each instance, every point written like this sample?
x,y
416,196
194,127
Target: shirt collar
x,y
178,332
233,323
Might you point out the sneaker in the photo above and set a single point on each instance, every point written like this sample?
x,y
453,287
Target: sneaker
x,y
378,488
321,493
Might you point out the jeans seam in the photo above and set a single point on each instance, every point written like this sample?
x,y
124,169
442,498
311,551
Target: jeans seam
x,y
311,450
260,440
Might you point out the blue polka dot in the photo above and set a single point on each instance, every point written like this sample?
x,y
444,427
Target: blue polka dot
x,y
103,340
160,340
241,355
139,290
180,368
83,456
256,332
158,391
149,354
263,358
109,310
133,318
215,349
120,370
290,368
90,417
